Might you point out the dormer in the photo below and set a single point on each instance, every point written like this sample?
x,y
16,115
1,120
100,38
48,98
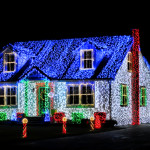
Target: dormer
x,y
87,56
86,59
9,61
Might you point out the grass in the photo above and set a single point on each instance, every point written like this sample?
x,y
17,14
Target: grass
x,y
10,133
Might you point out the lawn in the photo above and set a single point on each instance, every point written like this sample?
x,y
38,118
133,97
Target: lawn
x,y
10,133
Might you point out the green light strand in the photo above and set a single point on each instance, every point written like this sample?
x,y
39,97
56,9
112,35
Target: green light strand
x,y
26,97
46,96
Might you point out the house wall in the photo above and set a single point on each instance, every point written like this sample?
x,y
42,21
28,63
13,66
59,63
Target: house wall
x,y
144,80
101,100
31,97
123,115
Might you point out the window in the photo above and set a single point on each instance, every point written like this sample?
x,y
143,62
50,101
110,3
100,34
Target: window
x,y
80,94
143,98
86,59
9,62
124,95
8,96
1,96
73,94
129,62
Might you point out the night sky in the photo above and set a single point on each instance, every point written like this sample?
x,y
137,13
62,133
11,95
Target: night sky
x,y
74,28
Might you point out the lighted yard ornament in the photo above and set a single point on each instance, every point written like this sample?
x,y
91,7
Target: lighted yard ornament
x,y
92,123
97,122
64,120
14,115
47,116
24,121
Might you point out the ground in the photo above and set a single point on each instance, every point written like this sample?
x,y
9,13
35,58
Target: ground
x,y
39,137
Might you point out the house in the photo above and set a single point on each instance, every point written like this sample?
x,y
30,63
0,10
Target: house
x,y
96,74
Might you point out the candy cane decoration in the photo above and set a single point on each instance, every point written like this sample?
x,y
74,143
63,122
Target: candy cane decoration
x,y
24,121
64,119
91,123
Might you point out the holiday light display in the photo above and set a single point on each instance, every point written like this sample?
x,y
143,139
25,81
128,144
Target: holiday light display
x,y
64,120
26,97
24,121
102,116
77,117
92,123
97,124
14,115
3,116
42,84
58,117
47,116
135,77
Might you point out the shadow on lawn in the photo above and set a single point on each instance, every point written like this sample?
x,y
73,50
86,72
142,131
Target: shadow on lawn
x,y
12,132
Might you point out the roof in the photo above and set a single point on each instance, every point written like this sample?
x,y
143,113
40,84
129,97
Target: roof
x,y
60,59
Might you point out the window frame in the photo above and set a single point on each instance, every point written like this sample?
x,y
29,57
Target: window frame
x,y
82,59
80,95
129,62
124,96
9,62
9,95
143,104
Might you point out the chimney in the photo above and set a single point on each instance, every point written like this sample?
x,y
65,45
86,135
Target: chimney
x,y
135,76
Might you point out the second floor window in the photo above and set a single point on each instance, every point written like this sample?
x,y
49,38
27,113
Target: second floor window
x,y
9,62
86,59
129,62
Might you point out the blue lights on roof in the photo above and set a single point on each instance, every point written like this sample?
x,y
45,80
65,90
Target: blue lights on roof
x,y
60,59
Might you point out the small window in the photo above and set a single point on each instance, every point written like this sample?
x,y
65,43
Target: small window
x,y
143,98
2,96
124,95
9,62
129,62
8,96
73,94
86,94
86,57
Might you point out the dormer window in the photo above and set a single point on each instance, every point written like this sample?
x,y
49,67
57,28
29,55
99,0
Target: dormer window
x,y
86,59
9,62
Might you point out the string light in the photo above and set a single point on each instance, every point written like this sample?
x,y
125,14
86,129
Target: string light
x,y
3,116
62,62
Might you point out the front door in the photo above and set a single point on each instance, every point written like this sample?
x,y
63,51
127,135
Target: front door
x,y
43,100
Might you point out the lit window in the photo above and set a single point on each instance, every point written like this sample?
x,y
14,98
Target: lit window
x,y
86,59
130,62
143,98
82,94
124,95
1,96
9,62
73,94
8,96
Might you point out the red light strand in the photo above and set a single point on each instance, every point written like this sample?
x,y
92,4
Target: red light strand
x,y
135,77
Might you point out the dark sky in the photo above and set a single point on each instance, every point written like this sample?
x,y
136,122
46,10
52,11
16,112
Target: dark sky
x,y
23,28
